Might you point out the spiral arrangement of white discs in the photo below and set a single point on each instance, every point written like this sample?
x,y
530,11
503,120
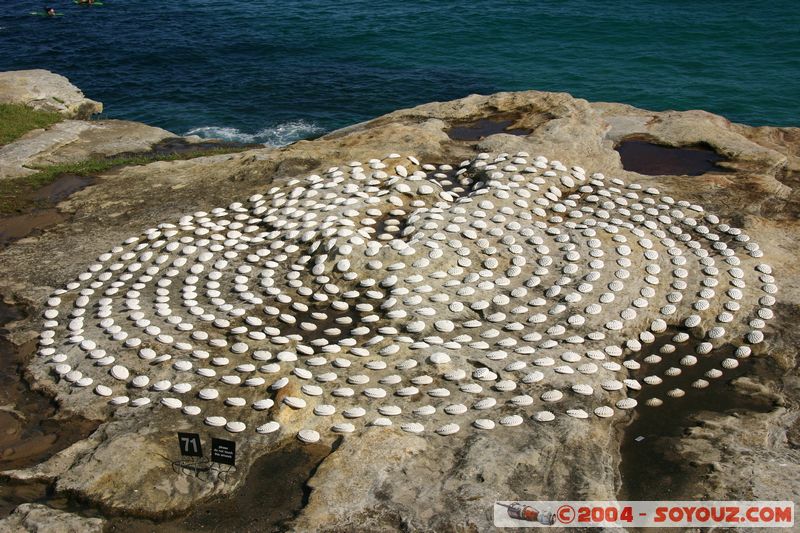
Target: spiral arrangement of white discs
x,y
501,291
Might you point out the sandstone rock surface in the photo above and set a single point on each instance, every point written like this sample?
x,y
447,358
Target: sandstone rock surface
x,y
46,91
36,518
389,479
71,141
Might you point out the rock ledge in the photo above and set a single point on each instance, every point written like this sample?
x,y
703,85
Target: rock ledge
x,y
46,91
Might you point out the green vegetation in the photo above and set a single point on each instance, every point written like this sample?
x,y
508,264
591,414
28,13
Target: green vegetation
x,y
16,120
17,194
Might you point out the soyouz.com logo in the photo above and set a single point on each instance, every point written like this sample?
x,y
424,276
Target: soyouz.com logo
x,y
644,514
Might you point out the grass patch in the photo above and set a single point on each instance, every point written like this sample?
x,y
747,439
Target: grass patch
x,y
16,120
16,195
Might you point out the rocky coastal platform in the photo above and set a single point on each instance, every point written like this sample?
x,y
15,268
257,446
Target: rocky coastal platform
x,y
46,91
79,136
445,306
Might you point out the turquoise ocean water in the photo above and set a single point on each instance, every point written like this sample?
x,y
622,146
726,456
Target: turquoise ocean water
x,y
275,71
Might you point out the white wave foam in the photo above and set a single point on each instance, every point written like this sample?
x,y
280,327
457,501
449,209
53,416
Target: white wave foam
x,y
279,135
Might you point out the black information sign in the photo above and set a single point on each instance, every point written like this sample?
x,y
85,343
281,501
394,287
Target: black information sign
x,y
189,444
223,451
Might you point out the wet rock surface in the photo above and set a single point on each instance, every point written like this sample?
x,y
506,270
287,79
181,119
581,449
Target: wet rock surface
x,y
644,157
399,479
32,426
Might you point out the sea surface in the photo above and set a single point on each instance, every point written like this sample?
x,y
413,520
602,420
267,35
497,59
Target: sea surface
x,y
276,71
